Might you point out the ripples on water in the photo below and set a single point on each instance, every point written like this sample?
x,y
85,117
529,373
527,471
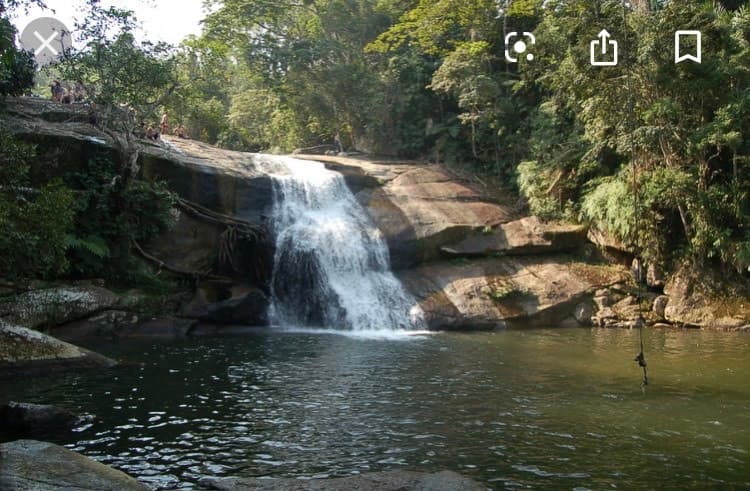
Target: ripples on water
x,y
515,409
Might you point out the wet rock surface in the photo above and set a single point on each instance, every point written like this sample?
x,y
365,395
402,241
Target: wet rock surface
x,y
119,325
418,208
30,465
474,263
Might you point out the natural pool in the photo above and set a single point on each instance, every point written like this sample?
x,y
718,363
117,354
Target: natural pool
x,y
558,408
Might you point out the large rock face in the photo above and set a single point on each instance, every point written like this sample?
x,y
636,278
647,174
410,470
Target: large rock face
x,y
225,181
506,292
222,180
471,261
230,183
418,208
27,351
29,465
698,298
376,481
524,237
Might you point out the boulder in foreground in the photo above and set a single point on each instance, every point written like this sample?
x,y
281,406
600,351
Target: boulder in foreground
x,y
377,481
41,466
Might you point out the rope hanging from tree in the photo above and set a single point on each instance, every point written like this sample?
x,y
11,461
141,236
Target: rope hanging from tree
x,y
640,323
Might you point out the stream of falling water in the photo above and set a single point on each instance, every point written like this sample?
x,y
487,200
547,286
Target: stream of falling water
x,y
331,266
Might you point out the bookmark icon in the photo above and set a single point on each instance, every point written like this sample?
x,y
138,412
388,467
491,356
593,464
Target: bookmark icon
x,y
691,43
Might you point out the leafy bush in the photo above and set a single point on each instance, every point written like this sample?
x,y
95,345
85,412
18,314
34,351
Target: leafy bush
x,y
610,206
109,219
535,182
34,223
16,66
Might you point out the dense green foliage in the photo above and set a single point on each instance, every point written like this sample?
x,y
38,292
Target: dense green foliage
x,y
108,221
16,66
80,226
429,78
33,222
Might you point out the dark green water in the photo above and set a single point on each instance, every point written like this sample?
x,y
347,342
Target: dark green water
x,y
513,409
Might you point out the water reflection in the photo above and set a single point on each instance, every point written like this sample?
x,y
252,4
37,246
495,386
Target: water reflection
x,y
559,408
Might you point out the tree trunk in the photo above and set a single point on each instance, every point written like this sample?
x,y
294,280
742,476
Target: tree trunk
x,y
685,222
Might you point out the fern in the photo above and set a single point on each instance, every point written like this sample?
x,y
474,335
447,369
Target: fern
x,y
610,206
92,244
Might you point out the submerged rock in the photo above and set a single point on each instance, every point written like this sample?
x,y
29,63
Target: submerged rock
x,y
247,309
376,481
40,421
30,465
247,306
25,351
118,324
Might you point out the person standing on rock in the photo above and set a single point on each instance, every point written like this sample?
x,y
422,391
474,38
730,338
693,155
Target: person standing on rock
x,y
57,91
337,143
164,125
79,92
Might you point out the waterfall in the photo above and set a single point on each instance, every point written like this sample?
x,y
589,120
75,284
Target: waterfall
x,y
331,266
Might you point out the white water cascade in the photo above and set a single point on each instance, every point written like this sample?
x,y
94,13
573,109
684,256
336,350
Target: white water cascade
x,y
331,266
